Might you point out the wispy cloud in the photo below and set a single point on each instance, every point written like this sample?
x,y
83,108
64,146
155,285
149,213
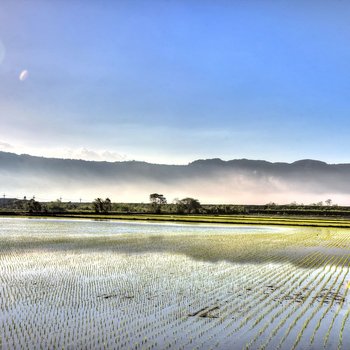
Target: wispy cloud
x,y
4,146
82,153
88,154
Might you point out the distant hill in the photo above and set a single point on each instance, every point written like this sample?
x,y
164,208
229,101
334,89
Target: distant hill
x,y
210,180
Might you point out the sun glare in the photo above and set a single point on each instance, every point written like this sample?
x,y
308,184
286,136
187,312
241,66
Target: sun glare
x,y
23,75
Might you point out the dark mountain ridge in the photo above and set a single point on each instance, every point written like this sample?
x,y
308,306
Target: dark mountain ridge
x,y
7,158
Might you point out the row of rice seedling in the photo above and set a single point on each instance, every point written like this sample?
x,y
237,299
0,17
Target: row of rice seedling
x,y
308,301
335,296
346,285
253,284
297,285
264,301
148,291
327,285
226,297
282,315
283,292
278,278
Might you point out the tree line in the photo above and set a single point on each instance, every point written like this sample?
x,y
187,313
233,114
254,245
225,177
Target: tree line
x,y
158,204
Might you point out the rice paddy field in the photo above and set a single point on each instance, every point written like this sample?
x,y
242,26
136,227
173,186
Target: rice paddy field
x,y
84,284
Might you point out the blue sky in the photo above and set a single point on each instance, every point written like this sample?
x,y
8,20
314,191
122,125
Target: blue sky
x,y
174,81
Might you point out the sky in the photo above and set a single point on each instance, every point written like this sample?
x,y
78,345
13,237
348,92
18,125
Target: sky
x,y
174,81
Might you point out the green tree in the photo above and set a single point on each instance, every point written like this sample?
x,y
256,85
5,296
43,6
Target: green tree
x,y
157,200
328,202
102,206
188,205
107,205
97,205
56,207
33,206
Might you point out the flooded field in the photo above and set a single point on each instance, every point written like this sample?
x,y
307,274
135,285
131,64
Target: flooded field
x,y
77,284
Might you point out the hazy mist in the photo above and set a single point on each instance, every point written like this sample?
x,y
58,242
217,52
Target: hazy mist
x,y
210,181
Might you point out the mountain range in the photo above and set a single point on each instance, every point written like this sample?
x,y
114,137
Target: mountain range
x,y
209,180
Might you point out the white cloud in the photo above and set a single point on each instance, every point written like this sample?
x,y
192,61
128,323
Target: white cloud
x,y
5,146
87,154
67,153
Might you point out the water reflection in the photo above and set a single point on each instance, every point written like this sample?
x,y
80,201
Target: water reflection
x,y
236,244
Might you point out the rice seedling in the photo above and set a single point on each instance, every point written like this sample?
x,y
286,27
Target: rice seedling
x,y
86,284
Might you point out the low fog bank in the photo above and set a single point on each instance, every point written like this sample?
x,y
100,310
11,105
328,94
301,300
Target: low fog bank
x,y
210,181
